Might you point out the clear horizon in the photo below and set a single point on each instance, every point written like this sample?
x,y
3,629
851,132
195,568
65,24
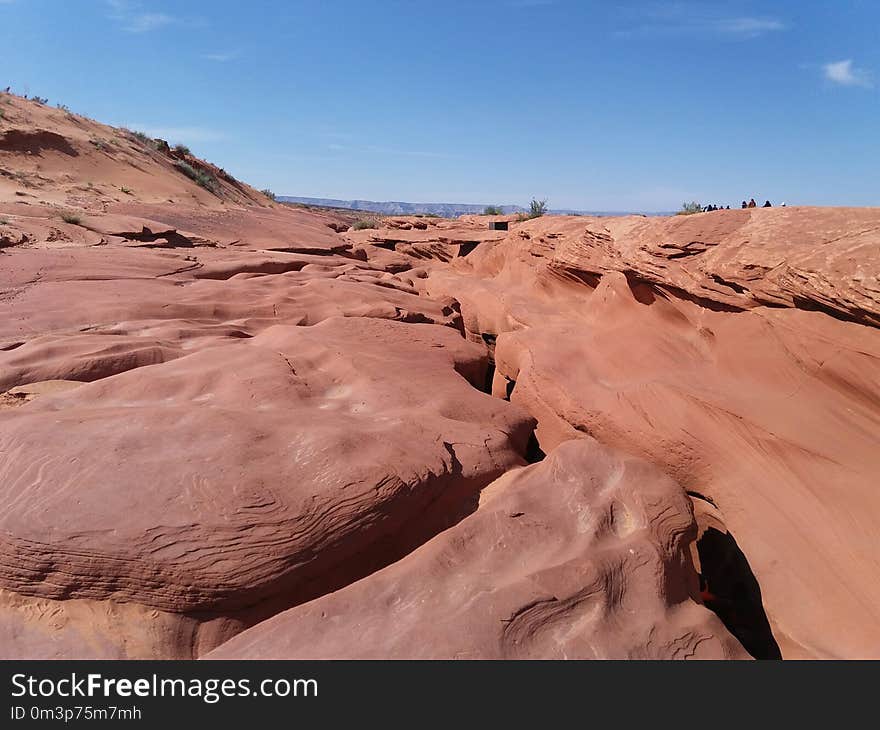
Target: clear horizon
x,y
638,107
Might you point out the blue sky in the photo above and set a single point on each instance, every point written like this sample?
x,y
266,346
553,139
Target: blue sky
x,y
594,105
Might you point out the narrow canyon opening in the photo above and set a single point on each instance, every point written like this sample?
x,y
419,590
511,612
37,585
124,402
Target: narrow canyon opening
x,y
489,341
732,592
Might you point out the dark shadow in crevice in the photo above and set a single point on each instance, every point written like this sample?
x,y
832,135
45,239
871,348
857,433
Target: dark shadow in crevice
x,y
643,293
489,341
577,276
646,292
490,376
855,314
697,495
738,288
730,589
534,452
163,239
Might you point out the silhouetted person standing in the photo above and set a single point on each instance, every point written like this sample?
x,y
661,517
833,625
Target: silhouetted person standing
x,y
767,204
752,203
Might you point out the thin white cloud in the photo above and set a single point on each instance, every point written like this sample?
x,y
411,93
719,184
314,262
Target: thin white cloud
x,y
845,74
145,22
696,19
221,57
176,135
748,27
132,18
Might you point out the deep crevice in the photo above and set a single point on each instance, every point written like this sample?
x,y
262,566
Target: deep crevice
x,y
730,589
489,340
490,376
534,452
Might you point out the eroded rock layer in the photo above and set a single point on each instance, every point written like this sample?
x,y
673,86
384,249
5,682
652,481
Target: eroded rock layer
x,y
220,416
584,556
771,412
242,472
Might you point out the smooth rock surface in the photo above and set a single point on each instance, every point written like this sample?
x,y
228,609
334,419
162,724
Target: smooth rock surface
x,y
584,556
275,468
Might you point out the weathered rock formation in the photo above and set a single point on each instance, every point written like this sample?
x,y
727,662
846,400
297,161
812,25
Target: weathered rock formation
x,y
242,429
584,556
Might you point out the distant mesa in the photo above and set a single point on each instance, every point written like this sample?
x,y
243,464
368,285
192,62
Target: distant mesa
x,y
444,210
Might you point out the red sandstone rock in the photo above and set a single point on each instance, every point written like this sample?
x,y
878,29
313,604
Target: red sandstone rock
x,y
810,258
276,468
214,408
771,413
584,556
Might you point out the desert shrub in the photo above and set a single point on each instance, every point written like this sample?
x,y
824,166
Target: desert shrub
x,y
182,149
63,107
364,223
690,208
71,218
493,210
126,190
200,177
537,208
99,144
144,139
268,193
40,100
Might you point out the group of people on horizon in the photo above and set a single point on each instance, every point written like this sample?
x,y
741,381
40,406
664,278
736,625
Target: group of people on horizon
x,y
750,204
753,204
